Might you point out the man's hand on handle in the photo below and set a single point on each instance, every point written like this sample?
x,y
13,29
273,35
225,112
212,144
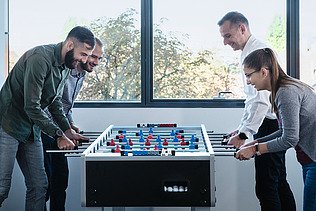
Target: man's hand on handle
x,y
70,140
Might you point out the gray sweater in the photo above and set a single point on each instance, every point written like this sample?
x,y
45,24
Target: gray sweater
x,y
71,90
297,111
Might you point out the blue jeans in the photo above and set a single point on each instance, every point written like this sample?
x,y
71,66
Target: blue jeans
x,y
272,188
29,156
56,167
309,178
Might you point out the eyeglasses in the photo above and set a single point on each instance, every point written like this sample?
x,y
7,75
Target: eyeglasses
x,y
248,75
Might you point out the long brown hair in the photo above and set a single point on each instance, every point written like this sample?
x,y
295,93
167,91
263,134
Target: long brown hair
x,y
265,58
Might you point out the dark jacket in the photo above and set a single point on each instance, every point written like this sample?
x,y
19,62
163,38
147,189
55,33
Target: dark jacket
x,y
36,82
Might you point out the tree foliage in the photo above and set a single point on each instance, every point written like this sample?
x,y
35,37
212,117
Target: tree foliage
x,y
118,76
277,34
178,72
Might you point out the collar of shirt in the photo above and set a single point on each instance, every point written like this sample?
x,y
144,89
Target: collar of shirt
x,y
77,74
57,57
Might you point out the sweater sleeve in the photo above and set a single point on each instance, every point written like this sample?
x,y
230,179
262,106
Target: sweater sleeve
x,y
288,102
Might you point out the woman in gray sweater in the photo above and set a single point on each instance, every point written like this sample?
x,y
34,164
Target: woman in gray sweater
x,y
295,105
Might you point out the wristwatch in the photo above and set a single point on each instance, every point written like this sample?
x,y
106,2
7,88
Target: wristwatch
x,y
58,133
257,149
242,136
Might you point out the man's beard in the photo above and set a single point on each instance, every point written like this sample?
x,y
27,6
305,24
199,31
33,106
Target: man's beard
x,y
70,60
85,66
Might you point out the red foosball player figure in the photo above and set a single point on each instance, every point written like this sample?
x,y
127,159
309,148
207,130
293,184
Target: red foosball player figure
x,y
165,142
147,143
112,143
130,142
117,149
183,143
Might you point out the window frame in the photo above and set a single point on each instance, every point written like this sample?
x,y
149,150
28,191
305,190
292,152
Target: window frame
x,y
147,100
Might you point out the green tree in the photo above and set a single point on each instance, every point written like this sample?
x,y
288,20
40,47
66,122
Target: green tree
x,y
276,36
178,72
118,76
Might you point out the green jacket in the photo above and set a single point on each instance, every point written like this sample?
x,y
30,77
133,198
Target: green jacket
x,y
35,82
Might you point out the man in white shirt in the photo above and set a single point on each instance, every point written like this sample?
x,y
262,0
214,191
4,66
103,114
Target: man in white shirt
x,y
272,188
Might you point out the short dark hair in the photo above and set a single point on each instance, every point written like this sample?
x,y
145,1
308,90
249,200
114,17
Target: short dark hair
x,y
98,42
235,18
83,35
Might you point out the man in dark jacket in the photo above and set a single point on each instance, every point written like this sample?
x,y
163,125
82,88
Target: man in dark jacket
x,y
34,84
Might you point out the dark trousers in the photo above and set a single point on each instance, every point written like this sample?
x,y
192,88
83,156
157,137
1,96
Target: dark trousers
x,y
56,167
272,188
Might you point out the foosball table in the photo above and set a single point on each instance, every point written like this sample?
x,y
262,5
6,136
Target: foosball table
x,y
149,165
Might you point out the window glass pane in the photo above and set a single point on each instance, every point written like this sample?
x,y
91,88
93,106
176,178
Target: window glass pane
x,y
190,59
307,42
115,22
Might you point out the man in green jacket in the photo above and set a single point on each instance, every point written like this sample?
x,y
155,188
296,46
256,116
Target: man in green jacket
x,y
35,83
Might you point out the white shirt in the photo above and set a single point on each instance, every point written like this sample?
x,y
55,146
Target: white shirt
x,y
257,103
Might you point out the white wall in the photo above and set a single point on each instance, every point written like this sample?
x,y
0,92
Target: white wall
x,y
234,179
220,120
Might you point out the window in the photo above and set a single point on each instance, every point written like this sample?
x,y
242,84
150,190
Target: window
x,y
115,23
307,42
190,59
156,51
